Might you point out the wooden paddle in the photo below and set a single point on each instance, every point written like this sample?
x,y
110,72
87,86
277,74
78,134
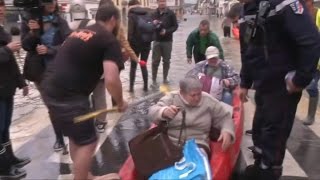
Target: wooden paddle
x,y
164,89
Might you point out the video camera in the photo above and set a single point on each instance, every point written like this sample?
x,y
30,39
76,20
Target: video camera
x,y
32,9
159,26
30,3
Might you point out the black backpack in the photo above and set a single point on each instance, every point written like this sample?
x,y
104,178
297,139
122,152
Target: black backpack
x,y
145,27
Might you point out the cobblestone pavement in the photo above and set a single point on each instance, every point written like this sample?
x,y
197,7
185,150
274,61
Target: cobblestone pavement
x,y
33,135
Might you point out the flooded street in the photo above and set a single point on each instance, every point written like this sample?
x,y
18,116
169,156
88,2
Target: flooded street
x,y
32,134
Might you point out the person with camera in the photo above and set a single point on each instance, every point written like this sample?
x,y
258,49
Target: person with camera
x,y
10,79
42,47
166,24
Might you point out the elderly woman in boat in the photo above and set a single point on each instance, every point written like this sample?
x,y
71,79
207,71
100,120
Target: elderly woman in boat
x,y
203,112
218,78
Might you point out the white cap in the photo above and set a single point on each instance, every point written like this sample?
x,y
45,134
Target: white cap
x,y
212,52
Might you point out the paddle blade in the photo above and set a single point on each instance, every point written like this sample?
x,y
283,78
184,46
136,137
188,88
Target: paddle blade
x,y
92,115
164,89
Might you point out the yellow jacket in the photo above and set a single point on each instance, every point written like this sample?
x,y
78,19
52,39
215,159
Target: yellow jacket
x,y
121,36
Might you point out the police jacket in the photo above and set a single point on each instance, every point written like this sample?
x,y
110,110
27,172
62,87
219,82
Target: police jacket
x,y
287,40
10,76
168,22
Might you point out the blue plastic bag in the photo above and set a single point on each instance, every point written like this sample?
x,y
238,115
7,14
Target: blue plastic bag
x,y
194,165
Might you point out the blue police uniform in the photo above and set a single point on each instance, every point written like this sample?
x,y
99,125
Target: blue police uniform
x,y
282,40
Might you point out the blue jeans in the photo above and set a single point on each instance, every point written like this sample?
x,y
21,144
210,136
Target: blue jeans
x,y
227,97
312,88
6,109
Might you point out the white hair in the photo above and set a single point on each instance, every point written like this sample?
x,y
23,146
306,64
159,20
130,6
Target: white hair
x,y
190,83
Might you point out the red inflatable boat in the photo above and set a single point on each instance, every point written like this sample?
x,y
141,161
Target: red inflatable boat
x,y
222,163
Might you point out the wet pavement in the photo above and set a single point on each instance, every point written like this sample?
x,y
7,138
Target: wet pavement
x,y
33,136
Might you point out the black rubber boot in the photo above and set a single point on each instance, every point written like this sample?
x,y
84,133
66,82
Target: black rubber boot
x,y
270,174
154,73
132,76
145,78
154,84
254,172
17,162
166,68
312,109
251,172
6,169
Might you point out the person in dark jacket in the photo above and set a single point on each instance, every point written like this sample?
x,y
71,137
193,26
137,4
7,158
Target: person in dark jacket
x,y
199,40
10,79
279,53
166,24
44,47
140,46
312,88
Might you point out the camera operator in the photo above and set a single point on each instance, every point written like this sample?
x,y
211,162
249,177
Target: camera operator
x,y
42,48
166,24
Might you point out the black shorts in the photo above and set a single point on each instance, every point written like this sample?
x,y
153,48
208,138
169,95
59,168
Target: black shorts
x,y
62,113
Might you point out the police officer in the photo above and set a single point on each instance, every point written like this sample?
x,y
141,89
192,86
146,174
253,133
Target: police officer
x,y
280,47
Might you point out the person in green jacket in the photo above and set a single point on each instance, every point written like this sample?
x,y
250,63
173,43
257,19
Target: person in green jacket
x,y
199,40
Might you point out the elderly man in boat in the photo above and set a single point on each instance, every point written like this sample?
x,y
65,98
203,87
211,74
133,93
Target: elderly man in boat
x,y
203,112
218,78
